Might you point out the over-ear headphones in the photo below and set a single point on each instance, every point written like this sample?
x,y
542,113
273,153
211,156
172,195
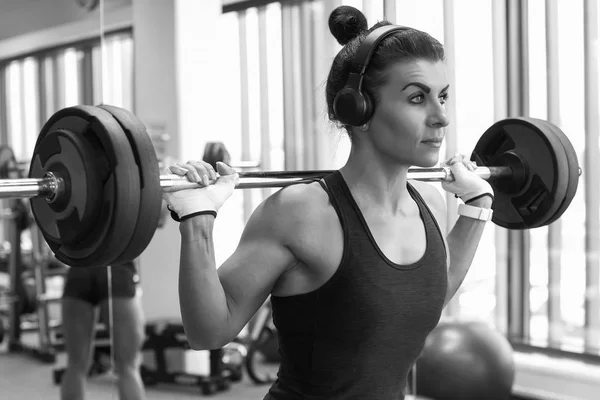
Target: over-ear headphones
x,y
352,106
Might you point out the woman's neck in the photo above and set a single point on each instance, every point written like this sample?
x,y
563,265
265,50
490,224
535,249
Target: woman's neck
x,y
378,184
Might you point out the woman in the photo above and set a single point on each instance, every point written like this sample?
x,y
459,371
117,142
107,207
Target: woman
x,y
356,264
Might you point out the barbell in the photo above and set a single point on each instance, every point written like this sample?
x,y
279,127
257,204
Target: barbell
x,y
96,191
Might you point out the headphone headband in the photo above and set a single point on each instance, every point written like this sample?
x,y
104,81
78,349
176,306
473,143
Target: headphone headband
x,y
369,45
352,106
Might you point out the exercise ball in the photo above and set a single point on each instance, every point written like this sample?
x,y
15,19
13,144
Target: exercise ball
x,y
466,361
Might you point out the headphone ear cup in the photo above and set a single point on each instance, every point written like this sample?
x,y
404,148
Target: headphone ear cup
x,y
351,107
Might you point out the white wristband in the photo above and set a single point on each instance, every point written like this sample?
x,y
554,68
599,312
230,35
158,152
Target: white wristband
x,y
482,214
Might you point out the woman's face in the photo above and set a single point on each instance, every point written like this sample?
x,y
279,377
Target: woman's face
x,y
408,124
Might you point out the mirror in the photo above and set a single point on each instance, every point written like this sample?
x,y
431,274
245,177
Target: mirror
x,y
49,60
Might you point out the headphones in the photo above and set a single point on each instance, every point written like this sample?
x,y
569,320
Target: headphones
x,y
352,106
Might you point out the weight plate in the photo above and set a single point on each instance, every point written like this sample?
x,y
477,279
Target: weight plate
x,y
574,169
546,176
151,192
72,213
119,193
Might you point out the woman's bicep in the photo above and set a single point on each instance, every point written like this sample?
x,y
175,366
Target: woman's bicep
x,y
250,273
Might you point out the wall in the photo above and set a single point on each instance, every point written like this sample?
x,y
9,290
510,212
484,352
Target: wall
x,y
44,14
175,93
156,106
30,25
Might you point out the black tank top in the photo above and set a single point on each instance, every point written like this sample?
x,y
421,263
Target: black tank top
x,y
358,335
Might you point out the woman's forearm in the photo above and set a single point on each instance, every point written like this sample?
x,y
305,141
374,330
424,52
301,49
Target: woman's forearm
x,y
463,241
202,299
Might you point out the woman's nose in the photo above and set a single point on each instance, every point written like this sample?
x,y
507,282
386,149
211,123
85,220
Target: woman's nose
x,y
439,117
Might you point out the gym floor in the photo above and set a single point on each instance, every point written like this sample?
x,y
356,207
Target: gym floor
x,y
23,377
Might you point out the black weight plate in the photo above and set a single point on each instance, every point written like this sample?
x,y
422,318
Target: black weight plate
x,y
574,170
562,191
72,214
546,178
151,192
120,191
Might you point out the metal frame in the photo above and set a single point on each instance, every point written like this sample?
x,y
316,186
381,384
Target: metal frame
x,y
592,165
241,5
265,131
306,84
3,108
245,101
451,140
555,229
500,73
86,89
517,105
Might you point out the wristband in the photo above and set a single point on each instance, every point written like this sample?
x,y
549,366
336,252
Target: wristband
x,y
479,213
491,196
176,218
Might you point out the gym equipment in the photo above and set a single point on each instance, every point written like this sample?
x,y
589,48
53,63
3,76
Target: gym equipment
x,y
262,347
545,171
162,336
27,311
95,189
467,361
216,151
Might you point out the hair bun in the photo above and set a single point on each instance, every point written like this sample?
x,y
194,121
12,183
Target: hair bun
x,y
346,23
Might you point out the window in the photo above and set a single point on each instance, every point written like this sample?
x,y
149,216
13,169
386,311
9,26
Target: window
x,y
563,273
40,84
562,292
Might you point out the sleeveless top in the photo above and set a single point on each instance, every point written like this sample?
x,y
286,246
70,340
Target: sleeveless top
x,y
358,335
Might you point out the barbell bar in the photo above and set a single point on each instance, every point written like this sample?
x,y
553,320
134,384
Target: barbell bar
x,y
53,184
95,187
268,179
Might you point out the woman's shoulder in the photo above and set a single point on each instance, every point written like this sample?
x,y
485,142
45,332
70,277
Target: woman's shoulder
x,y
293,208
299,201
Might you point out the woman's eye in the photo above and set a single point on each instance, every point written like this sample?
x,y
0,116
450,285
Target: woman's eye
x,y
417,99
444,98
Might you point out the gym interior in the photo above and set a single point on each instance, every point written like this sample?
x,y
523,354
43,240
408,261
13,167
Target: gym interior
x,y
244,80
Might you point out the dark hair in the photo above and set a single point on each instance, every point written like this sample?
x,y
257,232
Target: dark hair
x,y
349,26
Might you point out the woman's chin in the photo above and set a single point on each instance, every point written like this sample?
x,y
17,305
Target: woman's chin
x,y
428,163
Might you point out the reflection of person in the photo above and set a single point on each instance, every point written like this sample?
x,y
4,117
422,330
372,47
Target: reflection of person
x,y
86,291
357,265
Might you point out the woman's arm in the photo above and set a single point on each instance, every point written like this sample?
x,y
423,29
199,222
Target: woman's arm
x,y
217,303
463,241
